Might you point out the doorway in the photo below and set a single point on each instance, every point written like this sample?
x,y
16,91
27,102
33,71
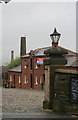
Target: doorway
x,y
31,80
14,81
43,80
43,77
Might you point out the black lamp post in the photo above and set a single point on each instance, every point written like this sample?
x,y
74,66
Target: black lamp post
x,y
55,60
55,36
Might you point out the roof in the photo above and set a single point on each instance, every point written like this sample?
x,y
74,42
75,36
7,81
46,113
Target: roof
x,y
75,63
40,52
24,56
72,61
71,57
37,52
15,69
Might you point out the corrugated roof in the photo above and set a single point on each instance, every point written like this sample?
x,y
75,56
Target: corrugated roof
x,y
16,69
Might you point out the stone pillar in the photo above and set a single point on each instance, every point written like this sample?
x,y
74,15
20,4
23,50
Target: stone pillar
x,y
12,55
23,46
54,60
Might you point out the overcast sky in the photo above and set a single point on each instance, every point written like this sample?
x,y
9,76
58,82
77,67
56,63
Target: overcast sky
x,y
36,21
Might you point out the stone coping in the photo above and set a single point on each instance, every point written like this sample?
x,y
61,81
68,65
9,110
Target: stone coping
x,y
67,71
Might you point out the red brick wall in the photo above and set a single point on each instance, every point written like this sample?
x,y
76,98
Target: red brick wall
x,y
26,71
39,71
11,83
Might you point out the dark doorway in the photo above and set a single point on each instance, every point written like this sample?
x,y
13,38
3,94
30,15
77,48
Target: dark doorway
x,y
43,77
31,80
14,81
43,80
31,64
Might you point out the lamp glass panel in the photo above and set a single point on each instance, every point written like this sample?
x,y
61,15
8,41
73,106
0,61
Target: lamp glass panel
x,y
55,39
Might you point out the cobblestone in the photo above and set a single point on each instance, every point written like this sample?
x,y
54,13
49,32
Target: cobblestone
x,y
22,100
19,103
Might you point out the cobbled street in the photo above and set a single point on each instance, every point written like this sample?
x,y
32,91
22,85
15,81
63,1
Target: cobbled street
x,y
17,103
22,100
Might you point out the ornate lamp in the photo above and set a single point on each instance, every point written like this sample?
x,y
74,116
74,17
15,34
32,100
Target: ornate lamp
x,y
55,36
6,1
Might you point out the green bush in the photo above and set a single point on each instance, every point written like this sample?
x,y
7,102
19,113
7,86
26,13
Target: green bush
x,y
14,63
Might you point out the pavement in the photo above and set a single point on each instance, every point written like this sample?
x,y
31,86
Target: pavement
x,y
26,103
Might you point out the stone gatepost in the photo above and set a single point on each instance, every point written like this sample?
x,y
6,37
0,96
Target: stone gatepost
x,y
54,61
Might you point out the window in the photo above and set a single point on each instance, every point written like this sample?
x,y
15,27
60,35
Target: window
x,y
40,80
36,65
19,79
10,78
25,79
25,64
31,64
36,82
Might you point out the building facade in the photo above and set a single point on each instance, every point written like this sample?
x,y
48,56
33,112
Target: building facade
x,y
31,73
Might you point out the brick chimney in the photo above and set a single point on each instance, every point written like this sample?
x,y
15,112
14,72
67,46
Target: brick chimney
x,y
23,46
12,55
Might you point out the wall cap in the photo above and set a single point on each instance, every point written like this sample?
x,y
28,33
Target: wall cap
x,y
67,71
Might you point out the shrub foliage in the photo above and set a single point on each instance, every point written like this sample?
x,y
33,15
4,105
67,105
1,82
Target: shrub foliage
x,y
14,63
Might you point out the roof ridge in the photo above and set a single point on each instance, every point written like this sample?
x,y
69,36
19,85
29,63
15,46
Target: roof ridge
x,y
58,46
41,48
68,50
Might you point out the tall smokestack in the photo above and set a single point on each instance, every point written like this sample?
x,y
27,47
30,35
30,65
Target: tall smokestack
x,y
12,55
23,46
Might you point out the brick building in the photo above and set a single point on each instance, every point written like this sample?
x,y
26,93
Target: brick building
x,y
31,73
14,75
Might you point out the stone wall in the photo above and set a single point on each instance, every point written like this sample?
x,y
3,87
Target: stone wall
x,y
62,91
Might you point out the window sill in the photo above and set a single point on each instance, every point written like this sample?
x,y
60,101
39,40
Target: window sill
x,y
36,68
25,67
25,83
36,84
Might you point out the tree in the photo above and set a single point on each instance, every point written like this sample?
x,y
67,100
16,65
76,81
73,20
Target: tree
x,y
14,63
